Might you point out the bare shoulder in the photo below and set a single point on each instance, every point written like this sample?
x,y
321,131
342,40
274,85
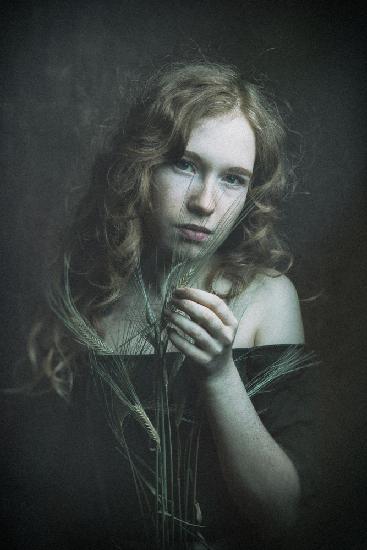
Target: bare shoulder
x,y
276,290
272,312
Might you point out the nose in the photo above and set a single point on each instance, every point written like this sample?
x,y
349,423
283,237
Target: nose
x,y
201,197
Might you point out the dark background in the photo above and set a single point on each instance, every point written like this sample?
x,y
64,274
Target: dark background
x,y
65,72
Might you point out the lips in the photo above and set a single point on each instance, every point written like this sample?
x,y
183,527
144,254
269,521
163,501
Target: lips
x,y
192,232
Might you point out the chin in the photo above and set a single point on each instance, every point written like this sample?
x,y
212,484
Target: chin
x,y
190,250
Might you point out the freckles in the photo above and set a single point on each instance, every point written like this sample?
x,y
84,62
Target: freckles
x,y
174,193
169,201
170,191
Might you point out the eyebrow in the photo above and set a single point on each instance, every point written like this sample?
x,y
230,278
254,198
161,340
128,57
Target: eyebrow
x,y
233,169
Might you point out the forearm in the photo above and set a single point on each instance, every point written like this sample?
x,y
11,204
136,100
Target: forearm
x,y
260,476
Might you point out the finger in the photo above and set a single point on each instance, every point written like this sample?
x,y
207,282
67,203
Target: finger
x,y
201,337
206,318
190,350
208,300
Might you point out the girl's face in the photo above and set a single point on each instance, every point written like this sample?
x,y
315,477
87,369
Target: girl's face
x,y
199,197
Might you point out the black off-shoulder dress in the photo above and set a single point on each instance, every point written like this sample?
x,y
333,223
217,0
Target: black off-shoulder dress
x,y
66,486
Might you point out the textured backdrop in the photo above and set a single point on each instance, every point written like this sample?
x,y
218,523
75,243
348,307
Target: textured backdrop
x,y
65,74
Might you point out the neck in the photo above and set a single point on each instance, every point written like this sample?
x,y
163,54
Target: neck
x,y
156,268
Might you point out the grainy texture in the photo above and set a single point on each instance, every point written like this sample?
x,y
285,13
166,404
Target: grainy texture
x,y
65,71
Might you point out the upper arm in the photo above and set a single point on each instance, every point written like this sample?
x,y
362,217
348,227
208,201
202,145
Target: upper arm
x,y
280,320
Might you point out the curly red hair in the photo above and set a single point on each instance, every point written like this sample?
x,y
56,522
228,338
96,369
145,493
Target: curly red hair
x,y
105,241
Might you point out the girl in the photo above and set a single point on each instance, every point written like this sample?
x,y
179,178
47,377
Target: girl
x,y
173,289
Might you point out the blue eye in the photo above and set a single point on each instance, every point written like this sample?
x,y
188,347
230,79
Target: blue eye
x,y
185,166
232,179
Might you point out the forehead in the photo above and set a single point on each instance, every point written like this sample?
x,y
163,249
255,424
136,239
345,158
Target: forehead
x,y
227,138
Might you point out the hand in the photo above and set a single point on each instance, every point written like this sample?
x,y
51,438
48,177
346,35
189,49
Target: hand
x,y
211,328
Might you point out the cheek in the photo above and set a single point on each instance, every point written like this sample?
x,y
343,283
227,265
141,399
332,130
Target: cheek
x,y
242,201
241,209
234,205
168,196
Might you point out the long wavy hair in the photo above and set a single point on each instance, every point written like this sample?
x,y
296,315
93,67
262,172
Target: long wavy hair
x,y
105,242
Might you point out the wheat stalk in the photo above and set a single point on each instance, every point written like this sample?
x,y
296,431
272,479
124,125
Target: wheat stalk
x,y
62,304
174,504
